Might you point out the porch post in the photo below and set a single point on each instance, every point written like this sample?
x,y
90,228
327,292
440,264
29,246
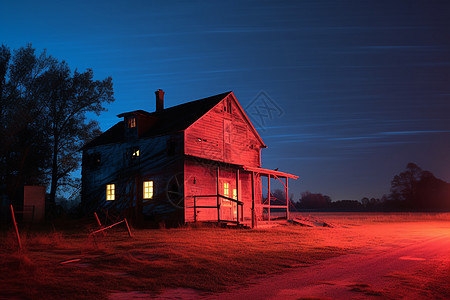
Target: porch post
x,y
253,199
287,199
218,199
237,195
268,193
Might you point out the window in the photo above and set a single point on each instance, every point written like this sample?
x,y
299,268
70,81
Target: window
x,y
148,189
131,122
234,194
110,192
227,131
133,153
226,189
227,106
226,193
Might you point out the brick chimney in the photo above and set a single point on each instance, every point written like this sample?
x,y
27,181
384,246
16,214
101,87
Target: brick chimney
x,y
159,100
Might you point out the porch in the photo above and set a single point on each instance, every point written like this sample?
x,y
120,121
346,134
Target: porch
x,y
260,212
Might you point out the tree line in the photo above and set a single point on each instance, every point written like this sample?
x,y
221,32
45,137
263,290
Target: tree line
x,y
412,190
43,123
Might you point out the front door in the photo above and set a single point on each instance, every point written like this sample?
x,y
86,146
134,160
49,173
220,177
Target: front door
x,y
228,208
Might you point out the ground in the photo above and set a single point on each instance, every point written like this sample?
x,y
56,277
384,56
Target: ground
x,y
379,256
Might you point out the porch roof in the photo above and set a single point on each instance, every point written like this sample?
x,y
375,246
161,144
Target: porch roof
x,y
267,172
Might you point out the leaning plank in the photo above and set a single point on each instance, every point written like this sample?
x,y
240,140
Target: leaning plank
x,y
303,222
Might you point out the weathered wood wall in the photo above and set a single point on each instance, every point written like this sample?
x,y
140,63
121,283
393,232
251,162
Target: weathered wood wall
x,y
224,136
160,159
201,179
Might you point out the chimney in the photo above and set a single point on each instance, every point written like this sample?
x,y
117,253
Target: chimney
x,y
159,100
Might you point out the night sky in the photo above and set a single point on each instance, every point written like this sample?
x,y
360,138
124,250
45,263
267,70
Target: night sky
x,y
355,89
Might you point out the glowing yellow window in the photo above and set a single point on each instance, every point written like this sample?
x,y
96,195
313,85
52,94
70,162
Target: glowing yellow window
x,y
136,153
234,194
226,189
131,122
148,189
110,192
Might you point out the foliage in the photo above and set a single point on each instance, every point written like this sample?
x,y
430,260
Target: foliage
x,y
43,106
415,189
314,201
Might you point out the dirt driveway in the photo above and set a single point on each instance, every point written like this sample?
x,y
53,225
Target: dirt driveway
x,y
417,270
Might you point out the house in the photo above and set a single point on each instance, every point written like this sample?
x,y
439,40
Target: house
x,y
195,162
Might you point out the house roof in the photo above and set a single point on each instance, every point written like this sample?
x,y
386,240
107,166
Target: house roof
x,y
166,121
267,172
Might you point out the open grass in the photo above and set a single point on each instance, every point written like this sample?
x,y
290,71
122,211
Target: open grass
x,y
208,259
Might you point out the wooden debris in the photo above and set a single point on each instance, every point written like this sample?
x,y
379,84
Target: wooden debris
x,y
69,261
311,222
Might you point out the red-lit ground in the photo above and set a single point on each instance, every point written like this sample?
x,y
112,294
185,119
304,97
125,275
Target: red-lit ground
x,y
379,256
412,265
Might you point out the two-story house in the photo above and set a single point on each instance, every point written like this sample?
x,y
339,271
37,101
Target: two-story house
x,y
198,161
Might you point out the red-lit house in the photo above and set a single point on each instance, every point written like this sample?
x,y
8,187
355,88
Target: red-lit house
x,y
198,161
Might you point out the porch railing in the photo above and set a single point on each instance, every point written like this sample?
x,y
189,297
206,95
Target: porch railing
x,y
239,206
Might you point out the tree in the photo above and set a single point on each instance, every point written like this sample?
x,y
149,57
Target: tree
x,y
404,185
279,196
314,201
69,97
43,108
23,141
419,190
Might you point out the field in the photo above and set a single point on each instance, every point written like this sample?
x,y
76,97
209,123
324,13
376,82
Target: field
x,y
364,255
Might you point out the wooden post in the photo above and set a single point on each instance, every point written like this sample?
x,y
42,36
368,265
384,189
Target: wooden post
x,y
287,199
237,196
253,199
98,221
268,193
195,209
128,228
15,227
218,199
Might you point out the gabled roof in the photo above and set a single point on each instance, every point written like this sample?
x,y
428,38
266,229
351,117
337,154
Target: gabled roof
x,y
180,117
168,120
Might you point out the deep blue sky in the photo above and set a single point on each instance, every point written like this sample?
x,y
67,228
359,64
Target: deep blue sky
x,y
363,87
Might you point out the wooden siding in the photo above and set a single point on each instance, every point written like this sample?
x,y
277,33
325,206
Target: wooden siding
x,y
223,136
113,163
201,179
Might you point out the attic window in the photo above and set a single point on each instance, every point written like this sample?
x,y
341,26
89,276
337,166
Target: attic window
x,y
110,192
227,106
131,122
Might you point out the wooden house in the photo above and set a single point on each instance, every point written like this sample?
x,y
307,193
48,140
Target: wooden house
x,y
195,162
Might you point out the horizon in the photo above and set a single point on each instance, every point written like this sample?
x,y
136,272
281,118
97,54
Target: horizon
x,y
357,90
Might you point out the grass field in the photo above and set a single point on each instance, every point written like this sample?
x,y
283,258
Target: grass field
x,y
60,263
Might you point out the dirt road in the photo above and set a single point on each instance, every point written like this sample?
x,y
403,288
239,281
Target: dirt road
x,y
416,270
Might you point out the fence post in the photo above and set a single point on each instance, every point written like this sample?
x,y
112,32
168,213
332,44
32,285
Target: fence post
x,y
128,227
15,227
98,220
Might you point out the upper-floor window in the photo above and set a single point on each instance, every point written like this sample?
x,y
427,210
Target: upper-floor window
x,y
227,105
131,122
133,153
234,194
110,192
